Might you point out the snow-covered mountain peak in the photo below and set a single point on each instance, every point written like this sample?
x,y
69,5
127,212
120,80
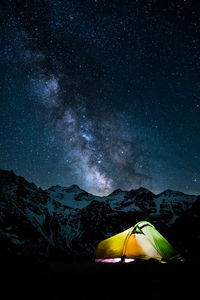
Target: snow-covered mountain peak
x,y
71,196
54,188
171,192
74,188
143,190
116,192
169,195
61,189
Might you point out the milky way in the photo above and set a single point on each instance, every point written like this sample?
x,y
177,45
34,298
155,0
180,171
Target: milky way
x,y
98,147
105,95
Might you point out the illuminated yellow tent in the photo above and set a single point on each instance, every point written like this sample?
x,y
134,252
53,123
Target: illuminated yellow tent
x,y
141,241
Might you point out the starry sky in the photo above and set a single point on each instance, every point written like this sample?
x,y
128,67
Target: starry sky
x,y
102,94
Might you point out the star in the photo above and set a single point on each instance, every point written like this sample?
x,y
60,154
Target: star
x,y
101,97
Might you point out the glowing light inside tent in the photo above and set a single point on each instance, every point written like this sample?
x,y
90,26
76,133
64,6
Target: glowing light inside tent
x,y
108,260
129,260
114,260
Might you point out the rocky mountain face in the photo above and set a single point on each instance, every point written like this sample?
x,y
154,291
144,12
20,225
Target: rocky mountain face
x,y
185,231
69,222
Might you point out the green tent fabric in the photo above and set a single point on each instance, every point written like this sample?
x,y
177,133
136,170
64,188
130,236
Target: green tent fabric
x,y
141,241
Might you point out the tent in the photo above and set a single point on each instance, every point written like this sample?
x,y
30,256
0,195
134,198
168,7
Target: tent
x,y
141,241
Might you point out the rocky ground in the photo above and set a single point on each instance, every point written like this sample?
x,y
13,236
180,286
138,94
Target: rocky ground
x,y
88,280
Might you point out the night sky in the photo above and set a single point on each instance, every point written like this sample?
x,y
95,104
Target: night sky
x,y
100,93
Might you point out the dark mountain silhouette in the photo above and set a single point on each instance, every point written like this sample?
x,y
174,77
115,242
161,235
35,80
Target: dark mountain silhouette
x,y
68,222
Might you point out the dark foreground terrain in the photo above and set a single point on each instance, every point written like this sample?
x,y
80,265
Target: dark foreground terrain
x,y
89,280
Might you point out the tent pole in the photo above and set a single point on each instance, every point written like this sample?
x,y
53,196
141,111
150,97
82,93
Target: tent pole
x,y
125,244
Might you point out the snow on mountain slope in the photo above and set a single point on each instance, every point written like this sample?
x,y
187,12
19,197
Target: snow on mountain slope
x,y
72,197
173,204
72,221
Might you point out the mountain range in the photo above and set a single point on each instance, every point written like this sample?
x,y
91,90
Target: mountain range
x,y
67,222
